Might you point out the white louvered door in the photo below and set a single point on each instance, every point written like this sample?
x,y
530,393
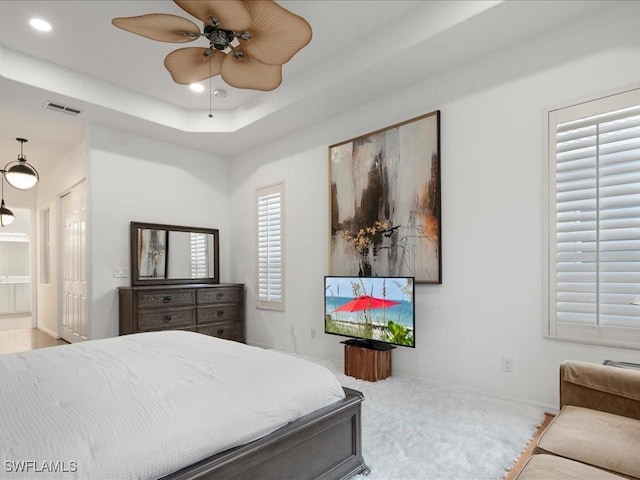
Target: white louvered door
x,y
73,265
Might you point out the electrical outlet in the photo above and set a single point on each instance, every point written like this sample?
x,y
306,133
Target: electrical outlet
x,y
313,333
507,364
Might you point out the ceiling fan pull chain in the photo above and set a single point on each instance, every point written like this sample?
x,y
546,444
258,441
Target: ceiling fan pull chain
x,y
210,87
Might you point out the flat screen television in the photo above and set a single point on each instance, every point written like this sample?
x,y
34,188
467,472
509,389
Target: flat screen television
x,y
376,312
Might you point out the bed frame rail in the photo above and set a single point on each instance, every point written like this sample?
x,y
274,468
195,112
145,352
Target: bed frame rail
x,y
326,445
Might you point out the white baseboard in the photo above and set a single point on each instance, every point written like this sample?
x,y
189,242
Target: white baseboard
x,y
546,407
48,332
543,406
261,345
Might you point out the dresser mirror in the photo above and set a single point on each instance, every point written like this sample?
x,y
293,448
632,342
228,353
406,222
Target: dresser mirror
x,y
171,254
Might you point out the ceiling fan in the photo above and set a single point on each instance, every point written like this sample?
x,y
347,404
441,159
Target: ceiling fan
x,y
249,40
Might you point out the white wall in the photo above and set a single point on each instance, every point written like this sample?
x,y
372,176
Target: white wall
x,y
490,303
132,178
57,179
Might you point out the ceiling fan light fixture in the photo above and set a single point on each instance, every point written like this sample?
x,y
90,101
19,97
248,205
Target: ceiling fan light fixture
x,y
197,87
249,40
219,39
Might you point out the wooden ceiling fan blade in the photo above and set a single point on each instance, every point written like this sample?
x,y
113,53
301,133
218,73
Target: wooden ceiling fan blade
x,y
276,33
191,65
160,26
231,14
250,74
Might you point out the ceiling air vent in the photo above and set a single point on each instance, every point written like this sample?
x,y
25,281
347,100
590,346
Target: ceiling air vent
x,y
56,107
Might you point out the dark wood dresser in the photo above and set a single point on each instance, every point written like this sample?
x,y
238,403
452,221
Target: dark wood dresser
x,y
212,309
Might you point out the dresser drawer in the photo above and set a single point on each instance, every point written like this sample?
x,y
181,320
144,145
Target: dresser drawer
x,y
225,312
166,318
226,330
219,295
215,309
165,298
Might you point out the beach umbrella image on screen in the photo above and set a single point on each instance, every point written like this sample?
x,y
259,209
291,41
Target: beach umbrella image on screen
x,y
365,302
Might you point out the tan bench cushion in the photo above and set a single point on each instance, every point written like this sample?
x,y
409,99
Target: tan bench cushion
x,y
547,467
601,439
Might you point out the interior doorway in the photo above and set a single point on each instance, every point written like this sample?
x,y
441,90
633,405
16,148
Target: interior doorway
x,y
16,298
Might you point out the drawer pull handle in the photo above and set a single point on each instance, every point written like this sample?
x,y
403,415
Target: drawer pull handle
x,y
166,318
166,298
220,313
220,295
220,331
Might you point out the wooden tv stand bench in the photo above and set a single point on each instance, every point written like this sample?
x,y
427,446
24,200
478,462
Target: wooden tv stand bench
x,y
366,361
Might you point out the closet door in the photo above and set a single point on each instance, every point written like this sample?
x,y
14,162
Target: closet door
x,y
73,271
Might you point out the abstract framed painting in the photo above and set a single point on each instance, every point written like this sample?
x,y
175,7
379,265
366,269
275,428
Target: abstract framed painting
x,y
385,202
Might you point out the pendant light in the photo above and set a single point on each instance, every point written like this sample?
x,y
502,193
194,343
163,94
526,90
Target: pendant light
x,y
6,215
20,174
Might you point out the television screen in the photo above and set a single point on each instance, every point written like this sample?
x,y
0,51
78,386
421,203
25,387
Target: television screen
x,y
375,310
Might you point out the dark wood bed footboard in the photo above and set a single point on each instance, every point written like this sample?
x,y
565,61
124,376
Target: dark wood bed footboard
x,y
326,444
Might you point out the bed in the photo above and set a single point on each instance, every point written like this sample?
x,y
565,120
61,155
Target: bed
x,y
174,405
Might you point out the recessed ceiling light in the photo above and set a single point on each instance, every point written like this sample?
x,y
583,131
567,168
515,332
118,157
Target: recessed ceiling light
x,y
196,87
41,25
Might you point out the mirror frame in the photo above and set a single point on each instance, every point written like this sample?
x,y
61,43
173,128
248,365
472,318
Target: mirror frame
x,y
135,274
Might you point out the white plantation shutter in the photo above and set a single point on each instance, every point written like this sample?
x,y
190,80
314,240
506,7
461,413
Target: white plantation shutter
x,y
270,288
595,221
199,255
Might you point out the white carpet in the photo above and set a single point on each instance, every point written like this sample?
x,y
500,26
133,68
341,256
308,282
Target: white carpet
x,y
423,431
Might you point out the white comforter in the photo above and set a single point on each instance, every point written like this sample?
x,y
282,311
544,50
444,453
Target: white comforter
x,y
145,405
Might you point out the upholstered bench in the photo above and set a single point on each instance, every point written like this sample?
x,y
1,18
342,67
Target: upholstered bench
x,y
550,467
596,435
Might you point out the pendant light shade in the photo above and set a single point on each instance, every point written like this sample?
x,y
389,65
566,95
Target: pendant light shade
x,y
20,174
6,215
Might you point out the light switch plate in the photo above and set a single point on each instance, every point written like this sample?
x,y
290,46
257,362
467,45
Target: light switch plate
x,y
121,272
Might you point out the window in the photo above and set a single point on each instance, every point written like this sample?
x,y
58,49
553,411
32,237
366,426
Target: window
x,y
594,221
270,238
45,260
199,255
